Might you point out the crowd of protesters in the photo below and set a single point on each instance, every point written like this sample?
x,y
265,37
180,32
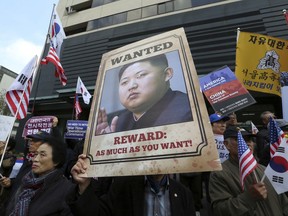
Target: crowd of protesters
x,y
50,183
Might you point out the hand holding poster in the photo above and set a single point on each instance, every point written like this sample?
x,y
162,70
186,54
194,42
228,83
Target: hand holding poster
x,y
147,115
224,92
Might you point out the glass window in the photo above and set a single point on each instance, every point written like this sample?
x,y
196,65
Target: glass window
x,y
149,11
97,3
196,3
169,6
165,7
92,25
161,8
105,21
182,4
119,18
134,15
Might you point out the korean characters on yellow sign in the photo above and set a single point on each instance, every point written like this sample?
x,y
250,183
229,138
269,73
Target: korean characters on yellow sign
x,y
260,59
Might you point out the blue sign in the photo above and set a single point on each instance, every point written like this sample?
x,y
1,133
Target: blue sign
x,y
76,129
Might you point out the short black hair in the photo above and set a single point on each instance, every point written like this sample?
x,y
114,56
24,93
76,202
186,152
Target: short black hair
x,y
58,151
159,61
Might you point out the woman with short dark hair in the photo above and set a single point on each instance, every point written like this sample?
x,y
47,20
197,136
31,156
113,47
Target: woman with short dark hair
x,y
44,188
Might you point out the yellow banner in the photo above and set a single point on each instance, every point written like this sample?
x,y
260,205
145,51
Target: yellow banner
x,y
260,59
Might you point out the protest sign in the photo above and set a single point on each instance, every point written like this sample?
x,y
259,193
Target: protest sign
x,y
6,125
37,123
224,91
260,62
76,129
162,124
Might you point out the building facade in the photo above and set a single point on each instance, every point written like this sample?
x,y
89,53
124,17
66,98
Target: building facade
x,y
94,27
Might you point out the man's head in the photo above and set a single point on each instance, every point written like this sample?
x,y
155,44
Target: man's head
x,y
218,123
55,121
265,117
231,143
144,83
232,119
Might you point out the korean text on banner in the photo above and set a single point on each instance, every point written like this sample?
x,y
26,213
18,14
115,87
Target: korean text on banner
x,y
260,60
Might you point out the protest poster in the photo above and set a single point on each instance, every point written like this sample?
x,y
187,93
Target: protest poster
x,y
37,123
261,60
76,129
6,125
155,120
224,91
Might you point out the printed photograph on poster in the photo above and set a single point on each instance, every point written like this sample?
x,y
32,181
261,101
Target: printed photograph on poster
x,y
224,91
148,115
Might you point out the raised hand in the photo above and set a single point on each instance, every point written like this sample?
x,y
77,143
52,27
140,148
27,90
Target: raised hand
x,y
103,126
80,168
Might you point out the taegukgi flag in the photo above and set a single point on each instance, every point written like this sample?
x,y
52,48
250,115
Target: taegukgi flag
x,y
81,89
56,36
56,32
260,60
17,96
277,169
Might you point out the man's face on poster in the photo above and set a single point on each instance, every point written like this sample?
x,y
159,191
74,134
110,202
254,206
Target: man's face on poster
x,y
142,85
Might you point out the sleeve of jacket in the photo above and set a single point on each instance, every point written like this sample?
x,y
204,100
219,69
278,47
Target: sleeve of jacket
x,y
284,202
224,203
89,203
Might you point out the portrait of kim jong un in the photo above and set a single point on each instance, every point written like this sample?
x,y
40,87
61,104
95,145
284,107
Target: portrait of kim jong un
x,y
149,92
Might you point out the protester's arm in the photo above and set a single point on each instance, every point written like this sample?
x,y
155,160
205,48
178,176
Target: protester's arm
x,y
103,125
224,202
84,198
284,203
80,168
5,182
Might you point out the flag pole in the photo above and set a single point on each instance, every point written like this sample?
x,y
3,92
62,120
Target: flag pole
x,y
256,178
39,61
74,106
238,33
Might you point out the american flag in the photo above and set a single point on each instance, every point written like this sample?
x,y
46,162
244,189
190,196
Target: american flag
x,y
54,59
247,162
56,36
276,136
77,107
17,96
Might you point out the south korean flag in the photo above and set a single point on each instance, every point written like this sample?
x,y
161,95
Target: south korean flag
x,y
277,169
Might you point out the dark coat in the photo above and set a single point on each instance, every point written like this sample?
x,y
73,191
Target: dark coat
x,y
50,199
126,198
173,108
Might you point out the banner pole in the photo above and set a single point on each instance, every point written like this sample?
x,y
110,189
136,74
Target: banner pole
x,y
38,71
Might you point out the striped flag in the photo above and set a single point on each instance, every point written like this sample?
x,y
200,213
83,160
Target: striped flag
x,y
56,36
54,59
247,162
17,96
77,107
276,136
